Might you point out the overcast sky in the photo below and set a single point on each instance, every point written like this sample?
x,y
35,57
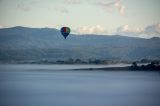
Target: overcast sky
x,y
129,17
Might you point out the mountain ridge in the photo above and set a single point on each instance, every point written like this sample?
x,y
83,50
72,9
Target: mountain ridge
x,y
23,43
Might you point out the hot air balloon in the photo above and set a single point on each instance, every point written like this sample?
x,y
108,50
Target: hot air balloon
x,y
65,31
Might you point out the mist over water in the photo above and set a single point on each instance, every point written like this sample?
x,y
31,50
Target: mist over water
x,y
52,85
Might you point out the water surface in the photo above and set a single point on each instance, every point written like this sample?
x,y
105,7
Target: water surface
x,y
52,85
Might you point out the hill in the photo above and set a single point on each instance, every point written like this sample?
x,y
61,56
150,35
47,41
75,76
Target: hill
x,y
28,44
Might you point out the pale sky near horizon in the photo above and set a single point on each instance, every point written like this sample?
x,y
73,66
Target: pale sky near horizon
x,y
84,16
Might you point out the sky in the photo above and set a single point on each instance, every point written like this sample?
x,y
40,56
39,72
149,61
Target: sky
x,y
140,18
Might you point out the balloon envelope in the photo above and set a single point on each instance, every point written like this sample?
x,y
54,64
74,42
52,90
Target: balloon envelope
x,y
65,31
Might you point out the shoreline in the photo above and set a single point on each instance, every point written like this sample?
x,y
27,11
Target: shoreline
x,y
128,68
107,68
92,67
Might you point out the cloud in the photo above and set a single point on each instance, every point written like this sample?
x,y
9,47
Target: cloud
x,y
92,30
72,1
26,5
114,5
127,29
153,29
147,32
121,8
1,27
61,10
23,7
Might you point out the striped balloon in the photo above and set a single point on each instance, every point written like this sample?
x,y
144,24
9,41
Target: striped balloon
x,y
65,31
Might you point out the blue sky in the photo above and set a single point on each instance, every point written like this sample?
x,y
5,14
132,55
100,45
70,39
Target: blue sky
x,y
129,17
